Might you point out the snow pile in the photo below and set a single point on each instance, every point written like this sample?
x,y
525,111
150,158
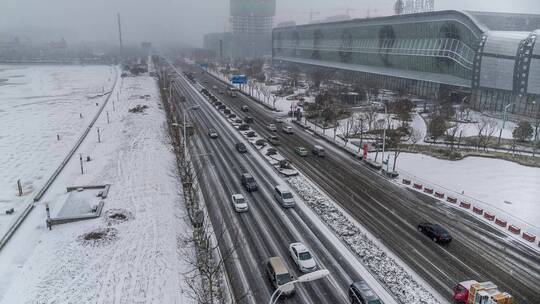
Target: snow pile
x,y
402,285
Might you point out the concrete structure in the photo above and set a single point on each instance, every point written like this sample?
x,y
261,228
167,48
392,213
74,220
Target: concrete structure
x,y
489,59
251,34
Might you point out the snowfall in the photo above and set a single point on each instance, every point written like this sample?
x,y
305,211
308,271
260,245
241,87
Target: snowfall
x,y
506,189
138,260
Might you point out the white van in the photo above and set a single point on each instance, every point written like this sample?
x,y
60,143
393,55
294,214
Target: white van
x,y
284,196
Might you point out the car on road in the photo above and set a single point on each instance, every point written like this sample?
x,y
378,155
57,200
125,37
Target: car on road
x,y
278,120
222,107
260,142
301,151
361,293
271,151
279,275
302,257
243,127
240,147
221,92
213,133
239,203
251,134
248,181
214,87
283,196
248,119
287,129
318,150
232,116
435,232
272,127
239,121
245,108
227,111
218,103
274,140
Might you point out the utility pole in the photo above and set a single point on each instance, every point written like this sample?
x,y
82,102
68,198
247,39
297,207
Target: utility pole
x,y
98,136
120,36
80,159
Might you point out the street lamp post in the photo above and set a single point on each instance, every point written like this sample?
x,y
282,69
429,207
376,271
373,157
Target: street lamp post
x,y
504,122
184,118
384,130
312,276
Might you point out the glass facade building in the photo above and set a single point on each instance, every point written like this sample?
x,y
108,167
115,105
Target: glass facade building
x,y
434,53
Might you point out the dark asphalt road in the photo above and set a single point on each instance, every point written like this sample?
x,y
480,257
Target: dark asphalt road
x,y
267,229
391,213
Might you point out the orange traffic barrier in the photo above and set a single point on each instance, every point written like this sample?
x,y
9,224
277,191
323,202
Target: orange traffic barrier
x,y
428,190
514,229
489,216
478,210
529,237
465,205
451,199
500,222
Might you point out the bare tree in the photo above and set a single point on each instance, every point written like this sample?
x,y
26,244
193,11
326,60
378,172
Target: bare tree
x,y
415,136
486,129
371,115
379,125
204,279
451,133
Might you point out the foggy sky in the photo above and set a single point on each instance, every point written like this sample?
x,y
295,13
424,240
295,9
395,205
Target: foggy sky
x,y
185,20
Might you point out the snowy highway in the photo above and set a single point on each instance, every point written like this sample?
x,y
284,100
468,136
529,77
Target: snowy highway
x,y
266,229
391,213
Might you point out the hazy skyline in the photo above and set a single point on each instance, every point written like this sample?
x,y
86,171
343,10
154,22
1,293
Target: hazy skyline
x,y
186,21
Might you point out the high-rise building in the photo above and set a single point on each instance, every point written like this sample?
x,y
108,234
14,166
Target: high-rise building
x,y
252,22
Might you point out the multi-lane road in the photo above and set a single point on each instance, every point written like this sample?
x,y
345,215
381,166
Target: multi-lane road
x,y
266,229
389,212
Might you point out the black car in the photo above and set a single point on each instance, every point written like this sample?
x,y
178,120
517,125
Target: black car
x,y
240,147
251,134
243,127
248,119
227,111
231,116
435,232
222,107
361,293
245,108
248,181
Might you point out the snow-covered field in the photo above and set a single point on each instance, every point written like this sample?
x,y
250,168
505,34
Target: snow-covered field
x,y
138,260
499,185
37,103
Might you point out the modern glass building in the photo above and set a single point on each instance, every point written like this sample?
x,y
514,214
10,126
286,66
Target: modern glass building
x,y
489,59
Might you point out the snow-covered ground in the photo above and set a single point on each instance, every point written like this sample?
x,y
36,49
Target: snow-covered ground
x,y
471,129
501,186
37,103
139,261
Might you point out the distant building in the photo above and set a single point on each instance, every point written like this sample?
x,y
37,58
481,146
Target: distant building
x,y
488,59
337,18
146,47
251,34
252,23
286,23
